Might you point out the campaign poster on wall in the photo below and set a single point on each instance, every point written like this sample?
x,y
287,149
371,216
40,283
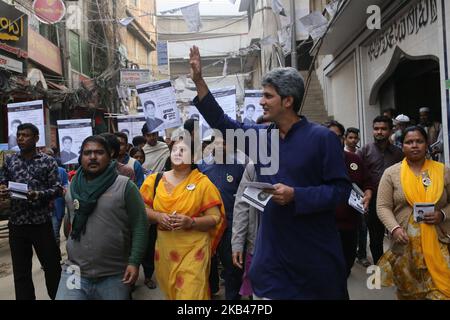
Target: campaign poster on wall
x,y
71,134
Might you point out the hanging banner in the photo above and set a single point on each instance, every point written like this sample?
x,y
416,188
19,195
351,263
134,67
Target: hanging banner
x,y
160,105
191,15
25,112
252,109
71,134
134,77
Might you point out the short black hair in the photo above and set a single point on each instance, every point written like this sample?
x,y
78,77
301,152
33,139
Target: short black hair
x,y
412,129
113,143
334,123
135,150
148,102
189,125
97,139
145,130
383,119
250,106
351,130
67,138
28,126
139,140
121,135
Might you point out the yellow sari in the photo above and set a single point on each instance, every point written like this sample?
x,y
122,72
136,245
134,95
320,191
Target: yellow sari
x,y
182,257
423,271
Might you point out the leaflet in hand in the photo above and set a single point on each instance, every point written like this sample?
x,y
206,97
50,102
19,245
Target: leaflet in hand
x,y
256,197
18,190
420,209
356,199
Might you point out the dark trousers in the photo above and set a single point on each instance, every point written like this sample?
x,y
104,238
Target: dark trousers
x,y
149,259
376,232
22,240
362,237
232,274
214,274
349,239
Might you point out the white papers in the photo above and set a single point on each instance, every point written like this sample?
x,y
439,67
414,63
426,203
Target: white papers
x,y
18,190
252,109
191,15
420,209
356,198
131,125
160,106
25,112
126,21
71,134
315,23
226,98
256,198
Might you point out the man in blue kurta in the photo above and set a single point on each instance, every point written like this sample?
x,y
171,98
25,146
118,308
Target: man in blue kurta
x,y
298,252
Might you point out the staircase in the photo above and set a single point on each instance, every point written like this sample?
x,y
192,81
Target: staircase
x,y
314,107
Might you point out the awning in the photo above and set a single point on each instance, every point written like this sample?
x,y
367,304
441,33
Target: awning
x,y
351,20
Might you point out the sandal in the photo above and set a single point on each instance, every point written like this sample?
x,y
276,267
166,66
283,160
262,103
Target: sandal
x,y
150,283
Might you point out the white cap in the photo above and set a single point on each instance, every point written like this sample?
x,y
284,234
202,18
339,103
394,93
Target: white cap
x,y
401,118
424,109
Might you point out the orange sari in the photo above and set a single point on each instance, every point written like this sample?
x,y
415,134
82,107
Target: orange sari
x,y
182,257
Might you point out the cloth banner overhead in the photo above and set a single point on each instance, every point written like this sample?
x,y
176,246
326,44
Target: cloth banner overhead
x,y
71,135
160,105
191,15
25,112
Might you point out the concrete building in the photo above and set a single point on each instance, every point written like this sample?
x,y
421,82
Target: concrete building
x,y
403,65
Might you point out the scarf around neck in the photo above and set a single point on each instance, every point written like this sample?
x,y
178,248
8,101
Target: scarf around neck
x,y
85,195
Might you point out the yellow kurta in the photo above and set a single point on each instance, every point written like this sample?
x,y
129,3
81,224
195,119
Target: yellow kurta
x,y
182,257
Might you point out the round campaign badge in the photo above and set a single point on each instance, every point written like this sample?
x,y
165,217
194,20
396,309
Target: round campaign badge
x,y
426,182
230,178
354,166
76,204
191,187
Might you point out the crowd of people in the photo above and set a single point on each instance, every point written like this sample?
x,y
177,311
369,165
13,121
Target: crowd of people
x,y
181,216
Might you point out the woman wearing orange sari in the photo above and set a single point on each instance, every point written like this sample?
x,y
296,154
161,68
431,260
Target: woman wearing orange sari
x,y
190,216
418,262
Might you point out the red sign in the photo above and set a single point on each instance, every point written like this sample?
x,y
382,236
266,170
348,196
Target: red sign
x,y
49,11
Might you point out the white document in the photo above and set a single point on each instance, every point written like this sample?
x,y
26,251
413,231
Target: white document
x,y
252,109
420,209
258,185
18,190
26,112
71,134
256,198
356,199
226,98
160,105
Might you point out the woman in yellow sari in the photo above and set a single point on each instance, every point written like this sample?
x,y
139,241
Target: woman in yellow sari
x,y
190,216
418,262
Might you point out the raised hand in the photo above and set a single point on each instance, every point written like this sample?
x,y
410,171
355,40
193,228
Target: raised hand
x,y
196,64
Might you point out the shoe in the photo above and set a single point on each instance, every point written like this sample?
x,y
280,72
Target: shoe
x,y
150,283
364,262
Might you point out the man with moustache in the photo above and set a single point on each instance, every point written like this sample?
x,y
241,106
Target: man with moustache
x,y
378,156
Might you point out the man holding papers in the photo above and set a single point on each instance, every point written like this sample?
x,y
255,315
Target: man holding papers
x,y
30,223
298,253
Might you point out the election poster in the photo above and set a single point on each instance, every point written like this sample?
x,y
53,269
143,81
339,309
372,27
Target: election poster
x,y
252,109
226,98
160,107
71,134
131,125
203,126
25,112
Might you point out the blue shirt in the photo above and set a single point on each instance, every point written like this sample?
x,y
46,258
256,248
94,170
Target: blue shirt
x,y
138,170
298,252
226,177
60,205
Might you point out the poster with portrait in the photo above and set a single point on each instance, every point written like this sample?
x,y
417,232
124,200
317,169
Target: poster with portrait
x,y
71,134
159,105
131,125
252,109
25,112
226,98
203,125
